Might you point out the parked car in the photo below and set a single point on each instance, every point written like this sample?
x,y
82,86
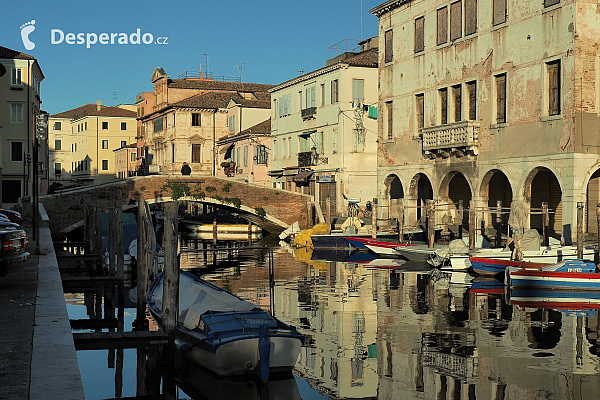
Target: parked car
x,y
14,245
13,216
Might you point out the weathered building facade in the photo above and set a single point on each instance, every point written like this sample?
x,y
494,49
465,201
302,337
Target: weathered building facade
x,y
186,119
323,141
490,100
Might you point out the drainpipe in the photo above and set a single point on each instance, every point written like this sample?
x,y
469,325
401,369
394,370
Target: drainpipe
x,y
214,150
97,151
28,126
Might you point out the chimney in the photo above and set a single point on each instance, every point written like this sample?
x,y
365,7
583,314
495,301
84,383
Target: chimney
x,y
98,105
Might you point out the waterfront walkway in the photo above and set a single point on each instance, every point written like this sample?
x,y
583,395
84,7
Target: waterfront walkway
x,y
37,355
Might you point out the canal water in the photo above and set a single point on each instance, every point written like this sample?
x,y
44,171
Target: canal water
x,y
377,329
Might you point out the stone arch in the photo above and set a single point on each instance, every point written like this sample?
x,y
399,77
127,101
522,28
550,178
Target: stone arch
x,y
542,185
454,188
496,186
591,197
420,190
393,191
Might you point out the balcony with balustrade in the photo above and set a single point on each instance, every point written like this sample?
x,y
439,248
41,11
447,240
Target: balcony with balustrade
x,y
455,139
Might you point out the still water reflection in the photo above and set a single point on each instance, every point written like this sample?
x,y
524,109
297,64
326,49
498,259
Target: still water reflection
x,y
389,333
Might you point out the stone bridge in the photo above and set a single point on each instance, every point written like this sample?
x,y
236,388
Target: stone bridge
x,y
282,208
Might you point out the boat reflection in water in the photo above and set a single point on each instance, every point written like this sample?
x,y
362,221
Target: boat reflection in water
x,y
200,384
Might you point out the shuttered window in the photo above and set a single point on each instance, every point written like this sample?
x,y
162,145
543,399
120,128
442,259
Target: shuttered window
x,y
196,153
472,94
554,87
419,34
470,17
390,119
457,102
499,16
455,20
389,46
358,90
443,106
420,106
548,3
501,98
442,25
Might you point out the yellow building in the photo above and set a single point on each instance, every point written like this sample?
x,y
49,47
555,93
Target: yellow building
x,y
95,132
20,77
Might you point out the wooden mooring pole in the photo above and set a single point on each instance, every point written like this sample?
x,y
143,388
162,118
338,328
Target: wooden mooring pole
x,y
328,205
430,223
545,223
120,266
400,220
472,225
498,223
374,220
580,209
170,297
142,267
459,218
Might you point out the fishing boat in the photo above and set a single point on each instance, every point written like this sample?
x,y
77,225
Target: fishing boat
x,y
494,266
384,248
226,334
420,252
568,274
338,240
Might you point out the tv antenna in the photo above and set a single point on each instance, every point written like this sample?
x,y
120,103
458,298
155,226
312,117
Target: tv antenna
x,y
240,68
207,70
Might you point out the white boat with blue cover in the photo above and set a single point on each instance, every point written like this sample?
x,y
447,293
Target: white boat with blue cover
x,y
226,334
567,274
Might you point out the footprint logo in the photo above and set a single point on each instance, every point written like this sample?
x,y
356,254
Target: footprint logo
x,y
26,29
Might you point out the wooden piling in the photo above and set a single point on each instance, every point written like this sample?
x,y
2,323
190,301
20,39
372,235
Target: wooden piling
x,y
170,298
120,265
598,253
430,223
400,220
459,218
472,225
580,230
214,226
250,232
96,245
545,224
374,220
498,223
142,267
328,205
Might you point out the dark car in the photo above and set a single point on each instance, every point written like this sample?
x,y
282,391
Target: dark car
x,y
13,216
14,245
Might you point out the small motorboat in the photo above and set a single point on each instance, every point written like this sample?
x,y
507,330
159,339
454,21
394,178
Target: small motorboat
x,y
419,252
494,266
385,248
567,274
226,334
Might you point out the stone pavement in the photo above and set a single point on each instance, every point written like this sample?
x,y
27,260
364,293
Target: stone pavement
x,y
37,356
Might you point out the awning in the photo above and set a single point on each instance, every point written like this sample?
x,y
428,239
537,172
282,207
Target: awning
x,y
226,148
302,176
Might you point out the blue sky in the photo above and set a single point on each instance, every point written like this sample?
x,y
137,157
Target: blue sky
x,y
273,40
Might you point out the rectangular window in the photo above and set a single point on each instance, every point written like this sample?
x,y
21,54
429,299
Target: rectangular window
x,y
196,119
470,17
231,123
196,153
499,16
420,108
124,144
57,144
501,99
15,77
75,146
104,124
57,126
389,46
548,3
261,154
419,34
16,113
104,165
443,94
132,157
322,94
289,149
456,20
238,156
319,142
158,125
358,90
334,91
457,102
85,126
390,119
57,168
300,105
284,148
245,156
311,99
173,152
553,87
105,144
16,151
442,25
472,98
123,126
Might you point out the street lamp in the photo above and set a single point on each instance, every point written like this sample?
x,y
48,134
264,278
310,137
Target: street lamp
x,y
41,132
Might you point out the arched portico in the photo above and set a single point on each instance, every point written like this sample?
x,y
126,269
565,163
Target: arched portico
x,y
393,192
542,186
454,189
420,191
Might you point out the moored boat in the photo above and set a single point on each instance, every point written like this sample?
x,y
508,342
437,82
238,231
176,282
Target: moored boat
x,y
568,274
225,334
493,266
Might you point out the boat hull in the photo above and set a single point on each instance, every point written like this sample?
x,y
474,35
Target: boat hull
x,y
555,299
554,280
492,267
